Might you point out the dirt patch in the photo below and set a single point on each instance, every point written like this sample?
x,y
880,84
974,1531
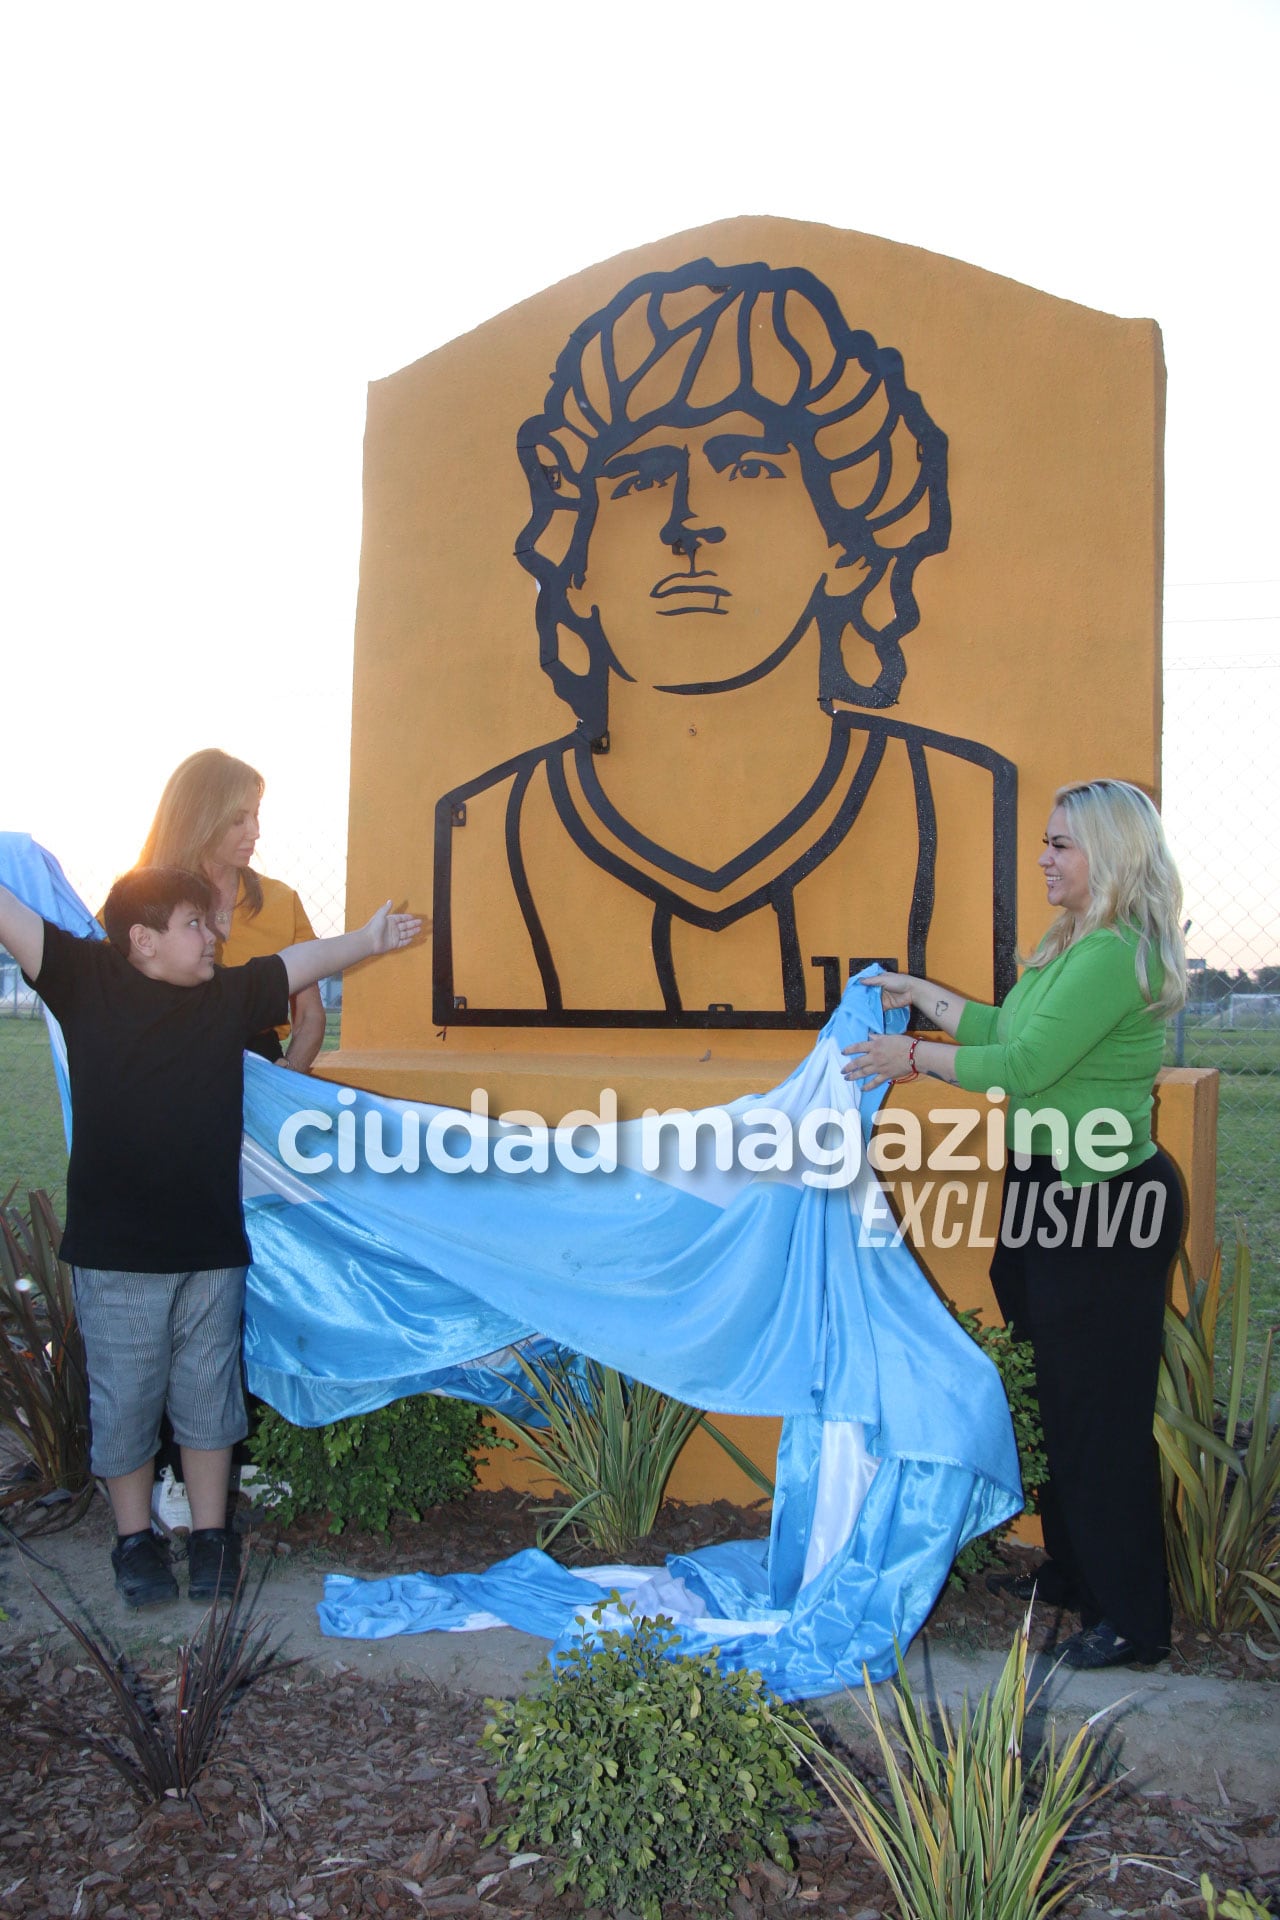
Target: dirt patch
x,y
334,1798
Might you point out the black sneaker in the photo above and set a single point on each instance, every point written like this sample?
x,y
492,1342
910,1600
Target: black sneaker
x,y
213,1563
1046,1583
1102,1646
144,1577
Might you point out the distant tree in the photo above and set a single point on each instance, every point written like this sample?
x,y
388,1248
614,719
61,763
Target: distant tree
x,y
1209,986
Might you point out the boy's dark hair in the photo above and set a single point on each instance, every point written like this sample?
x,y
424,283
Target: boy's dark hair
x,y
147,896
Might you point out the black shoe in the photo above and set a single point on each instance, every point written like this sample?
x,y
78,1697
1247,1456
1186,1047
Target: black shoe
x,y
1103,1646
1046,1583
144,1577
213,1563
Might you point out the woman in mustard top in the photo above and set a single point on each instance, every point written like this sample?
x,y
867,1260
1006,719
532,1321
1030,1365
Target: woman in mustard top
x,y
207,822
1092,1213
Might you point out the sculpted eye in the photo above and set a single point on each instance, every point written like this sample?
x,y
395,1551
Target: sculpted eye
x,y
639,483
643,470
753,466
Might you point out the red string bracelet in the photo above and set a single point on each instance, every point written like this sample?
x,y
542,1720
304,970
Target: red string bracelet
x,y
914,1074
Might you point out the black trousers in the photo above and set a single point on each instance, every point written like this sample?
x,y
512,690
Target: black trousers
x,y
1082,1273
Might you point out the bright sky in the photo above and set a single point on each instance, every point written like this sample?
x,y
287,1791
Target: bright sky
x,y
222,221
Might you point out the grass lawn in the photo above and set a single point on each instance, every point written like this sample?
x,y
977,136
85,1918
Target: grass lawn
x,y
1248,1156
33,1150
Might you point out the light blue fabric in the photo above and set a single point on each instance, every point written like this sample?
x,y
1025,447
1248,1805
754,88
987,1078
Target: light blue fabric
x,y
39,882
738,1292
531,1585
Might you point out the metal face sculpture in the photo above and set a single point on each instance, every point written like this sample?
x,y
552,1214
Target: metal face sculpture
x,y
731,491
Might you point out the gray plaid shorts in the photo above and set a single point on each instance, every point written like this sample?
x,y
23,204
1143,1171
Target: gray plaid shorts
x,y
157,1340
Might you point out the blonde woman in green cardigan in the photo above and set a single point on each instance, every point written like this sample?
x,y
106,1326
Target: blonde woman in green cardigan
x,y
1092,1213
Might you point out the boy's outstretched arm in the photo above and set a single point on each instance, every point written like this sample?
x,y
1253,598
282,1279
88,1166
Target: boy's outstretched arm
x,y
22,931
313,960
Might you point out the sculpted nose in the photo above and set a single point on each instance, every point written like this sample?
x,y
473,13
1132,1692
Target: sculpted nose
x,y
683,532
687,539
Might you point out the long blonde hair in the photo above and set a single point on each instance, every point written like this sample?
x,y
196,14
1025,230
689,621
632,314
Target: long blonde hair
x,y
200,800
1133,883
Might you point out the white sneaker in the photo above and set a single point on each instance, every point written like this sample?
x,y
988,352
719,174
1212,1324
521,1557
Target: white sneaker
x,y
170,1507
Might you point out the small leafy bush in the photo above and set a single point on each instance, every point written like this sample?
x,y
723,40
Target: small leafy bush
x,y
403,1458
650,1775
1015,1363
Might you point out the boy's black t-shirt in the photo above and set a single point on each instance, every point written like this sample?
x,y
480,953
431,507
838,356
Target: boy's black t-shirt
x,y
157,1098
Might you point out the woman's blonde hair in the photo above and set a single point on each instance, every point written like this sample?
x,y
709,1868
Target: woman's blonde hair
x,y
202,798
1132,883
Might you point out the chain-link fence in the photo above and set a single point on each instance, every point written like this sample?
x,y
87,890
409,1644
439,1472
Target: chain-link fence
x,y
1222,712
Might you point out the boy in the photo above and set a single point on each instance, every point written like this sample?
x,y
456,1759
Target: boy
x,y
155,1230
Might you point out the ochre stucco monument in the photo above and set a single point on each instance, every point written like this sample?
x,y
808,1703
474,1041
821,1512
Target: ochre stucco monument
x,y
728,615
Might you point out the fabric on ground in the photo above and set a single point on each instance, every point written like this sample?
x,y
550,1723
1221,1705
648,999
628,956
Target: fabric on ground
x,y
736,1290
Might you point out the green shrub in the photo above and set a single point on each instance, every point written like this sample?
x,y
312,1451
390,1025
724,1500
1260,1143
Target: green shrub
x,y
650,1777
400,1459
1014,1362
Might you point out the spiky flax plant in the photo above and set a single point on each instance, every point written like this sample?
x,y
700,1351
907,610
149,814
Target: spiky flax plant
x,y
973,1824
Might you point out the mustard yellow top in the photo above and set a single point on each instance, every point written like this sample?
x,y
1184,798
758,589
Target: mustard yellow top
x,y
282,923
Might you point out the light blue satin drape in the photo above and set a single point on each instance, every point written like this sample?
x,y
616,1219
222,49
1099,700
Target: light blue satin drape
x,y
755,1295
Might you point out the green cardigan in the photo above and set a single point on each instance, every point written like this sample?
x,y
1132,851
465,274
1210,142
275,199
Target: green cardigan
x,y
1075,1037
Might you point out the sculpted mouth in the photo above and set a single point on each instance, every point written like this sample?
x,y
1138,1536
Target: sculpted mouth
x,y
691,593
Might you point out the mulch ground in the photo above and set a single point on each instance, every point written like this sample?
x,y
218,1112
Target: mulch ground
x,y
352,1797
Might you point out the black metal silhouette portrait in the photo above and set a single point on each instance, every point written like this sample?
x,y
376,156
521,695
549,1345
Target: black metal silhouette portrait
x,y
731,492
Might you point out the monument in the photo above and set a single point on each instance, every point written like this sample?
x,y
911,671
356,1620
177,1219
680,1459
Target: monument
x,y
729,614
